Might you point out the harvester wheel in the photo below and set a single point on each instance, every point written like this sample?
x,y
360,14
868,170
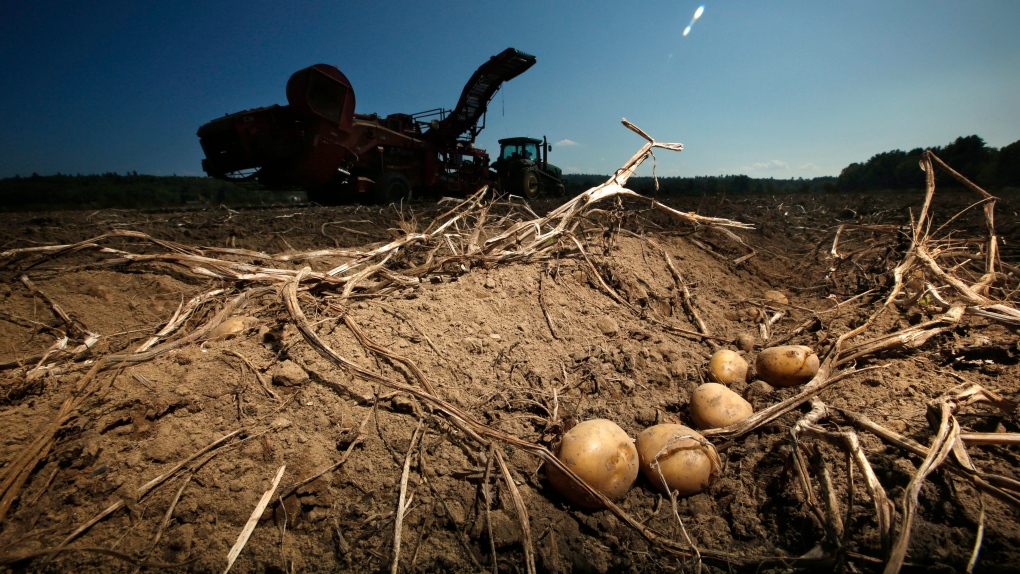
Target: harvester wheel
x,y
529,185
393,188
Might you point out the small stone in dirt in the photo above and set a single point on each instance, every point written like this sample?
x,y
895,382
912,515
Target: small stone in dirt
x,y
669,352
639,335
280,423
776,296
490,283
658,376
472,345
506,531
180,539
676,368
896,425
745,342
608,326
318,514
402,404
645,417
289,374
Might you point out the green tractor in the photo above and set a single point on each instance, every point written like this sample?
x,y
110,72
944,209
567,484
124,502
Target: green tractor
x,y
523,168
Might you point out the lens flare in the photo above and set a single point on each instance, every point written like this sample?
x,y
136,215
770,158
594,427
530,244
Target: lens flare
x,y
697,14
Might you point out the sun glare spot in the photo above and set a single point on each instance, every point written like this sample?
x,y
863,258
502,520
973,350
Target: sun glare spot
x,y
697,14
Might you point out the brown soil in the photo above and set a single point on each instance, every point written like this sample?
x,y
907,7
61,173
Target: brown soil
x,y
526,347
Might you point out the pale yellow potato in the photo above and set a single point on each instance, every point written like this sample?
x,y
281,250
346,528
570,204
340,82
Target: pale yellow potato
x,y
603,455
688,462
787,365
227,329
715,406
727,367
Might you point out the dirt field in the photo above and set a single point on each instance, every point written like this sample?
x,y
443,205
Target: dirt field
x,y
503,350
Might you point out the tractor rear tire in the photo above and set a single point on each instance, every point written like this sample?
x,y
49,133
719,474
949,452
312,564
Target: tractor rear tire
x,y
393,188
528,184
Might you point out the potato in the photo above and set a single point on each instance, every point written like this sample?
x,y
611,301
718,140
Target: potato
x,y
601,453
744,341
714,406
727,367
688,465
227,329
787,365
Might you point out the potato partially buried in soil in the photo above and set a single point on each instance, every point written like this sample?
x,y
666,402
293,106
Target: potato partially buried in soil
x,y
688,463
603,455
715,406
787,365
727,367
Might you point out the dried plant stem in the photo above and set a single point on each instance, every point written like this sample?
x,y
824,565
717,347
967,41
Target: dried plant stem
x,y
522,512
254,371
541,303
977,438
71,325
941,446
988,483
686,297
253,520
978,539
181,315
398,522
488,505
884,508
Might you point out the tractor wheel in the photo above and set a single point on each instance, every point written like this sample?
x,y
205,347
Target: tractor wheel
x,y
393,188
529,185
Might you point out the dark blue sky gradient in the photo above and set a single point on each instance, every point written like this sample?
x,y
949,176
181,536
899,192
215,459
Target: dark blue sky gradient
x,y
783,89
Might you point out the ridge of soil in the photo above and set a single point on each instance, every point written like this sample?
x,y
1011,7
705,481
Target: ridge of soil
x,y
527,348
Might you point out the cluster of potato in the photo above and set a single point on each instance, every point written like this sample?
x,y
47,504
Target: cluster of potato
x,y
672,456
714,405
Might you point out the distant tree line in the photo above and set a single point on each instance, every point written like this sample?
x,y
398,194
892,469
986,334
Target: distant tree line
x,y
892,170
897,169
705,185
986,166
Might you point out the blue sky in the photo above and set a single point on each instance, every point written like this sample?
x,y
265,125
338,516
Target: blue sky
x,y
766,88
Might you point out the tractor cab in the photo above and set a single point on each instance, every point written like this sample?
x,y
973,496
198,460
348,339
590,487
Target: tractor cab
x,y
523,167
520,148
